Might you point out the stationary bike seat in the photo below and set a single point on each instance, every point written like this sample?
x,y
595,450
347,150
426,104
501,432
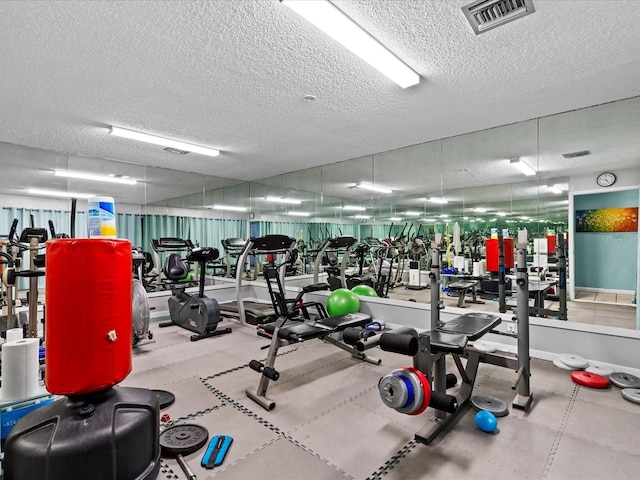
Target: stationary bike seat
x,y
175,268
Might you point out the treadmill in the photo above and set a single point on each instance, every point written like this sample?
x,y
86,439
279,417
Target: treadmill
x,y
233,248
255,312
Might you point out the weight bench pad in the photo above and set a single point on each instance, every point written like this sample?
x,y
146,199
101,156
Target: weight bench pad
x,y
472,325
343,321
298,331
447,342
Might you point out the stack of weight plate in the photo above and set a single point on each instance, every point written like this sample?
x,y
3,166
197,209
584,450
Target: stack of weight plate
x,y
569,361
630,385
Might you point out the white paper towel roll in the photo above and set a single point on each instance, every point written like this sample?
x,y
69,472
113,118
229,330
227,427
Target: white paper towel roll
x,y
14,334
20,369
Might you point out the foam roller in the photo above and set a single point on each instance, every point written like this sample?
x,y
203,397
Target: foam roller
x,y
401,343
443,402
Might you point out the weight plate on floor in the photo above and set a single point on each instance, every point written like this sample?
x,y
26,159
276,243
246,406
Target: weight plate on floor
x,y
558,363
589,379
483,346
624,380
165,398
631,394
574,361
599,369
183,439
490,404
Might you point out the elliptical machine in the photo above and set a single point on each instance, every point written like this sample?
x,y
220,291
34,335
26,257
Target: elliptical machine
x,y
199,314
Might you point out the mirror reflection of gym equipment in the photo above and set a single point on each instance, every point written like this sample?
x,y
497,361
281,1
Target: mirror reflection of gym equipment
x,y
468,328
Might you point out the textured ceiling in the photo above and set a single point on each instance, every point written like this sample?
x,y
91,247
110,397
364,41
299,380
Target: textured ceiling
x,y
232,74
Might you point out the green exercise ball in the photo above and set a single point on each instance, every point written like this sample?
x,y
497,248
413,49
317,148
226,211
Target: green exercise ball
x,y
342,302
364,290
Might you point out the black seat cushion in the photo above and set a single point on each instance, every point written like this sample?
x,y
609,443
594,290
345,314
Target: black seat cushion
x,y
175,268
296,331
343,321
473,325
447,342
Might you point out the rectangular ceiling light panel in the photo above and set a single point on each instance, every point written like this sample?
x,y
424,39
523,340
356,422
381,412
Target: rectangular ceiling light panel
x,y
97,178
325,16
163,142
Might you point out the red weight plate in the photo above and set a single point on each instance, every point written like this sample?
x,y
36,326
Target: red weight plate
x,y
588,379
426,387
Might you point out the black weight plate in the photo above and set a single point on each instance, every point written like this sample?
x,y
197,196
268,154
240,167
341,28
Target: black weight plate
x,y
624,380
490,404
183,439
165,398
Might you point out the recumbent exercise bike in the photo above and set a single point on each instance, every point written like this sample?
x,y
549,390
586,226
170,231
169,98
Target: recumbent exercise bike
x,y
196,313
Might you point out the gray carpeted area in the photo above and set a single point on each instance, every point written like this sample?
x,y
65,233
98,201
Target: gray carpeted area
x,y
330,423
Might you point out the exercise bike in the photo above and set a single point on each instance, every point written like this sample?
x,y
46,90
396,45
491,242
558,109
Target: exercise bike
x,y
196,313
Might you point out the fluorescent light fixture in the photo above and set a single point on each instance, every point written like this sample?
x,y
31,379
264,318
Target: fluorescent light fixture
x,y
395,219
354,208
230,208
412,214
58,193
444,215
523,167
328,18
361,216
291,201
163,142
429,220
98,178
298,214
375,188
439,200
554,189
480,209
501,214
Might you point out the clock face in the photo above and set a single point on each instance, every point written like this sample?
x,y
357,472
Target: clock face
x,y
606,179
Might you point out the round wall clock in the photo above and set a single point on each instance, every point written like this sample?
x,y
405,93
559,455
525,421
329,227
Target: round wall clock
x,y
606,179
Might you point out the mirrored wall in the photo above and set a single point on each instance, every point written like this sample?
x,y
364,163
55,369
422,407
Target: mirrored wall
x,y
470,180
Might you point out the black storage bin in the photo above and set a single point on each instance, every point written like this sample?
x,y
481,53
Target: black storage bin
x,y
108,435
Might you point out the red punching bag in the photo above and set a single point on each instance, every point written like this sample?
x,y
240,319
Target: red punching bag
x,y
88,314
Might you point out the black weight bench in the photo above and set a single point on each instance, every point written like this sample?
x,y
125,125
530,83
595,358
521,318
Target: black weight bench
x,y
461,287
451,338
300,321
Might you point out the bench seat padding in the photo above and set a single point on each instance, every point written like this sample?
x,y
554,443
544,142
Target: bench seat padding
x,y
463,285
472,325
447,342
308,330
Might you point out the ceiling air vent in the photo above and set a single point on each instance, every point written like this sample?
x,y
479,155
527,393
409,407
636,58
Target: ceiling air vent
x,y
582,153
176,150
484,15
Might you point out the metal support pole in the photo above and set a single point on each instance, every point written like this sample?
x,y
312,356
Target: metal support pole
x,y
524,397
562,277
502,305
32,331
